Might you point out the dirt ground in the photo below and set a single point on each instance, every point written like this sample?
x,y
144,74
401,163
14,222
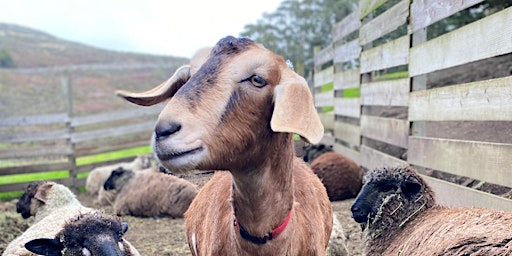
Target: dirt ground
x,y
162,236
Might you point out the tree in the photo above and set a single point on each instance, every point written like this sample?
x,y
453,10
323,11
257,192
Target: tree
x,y
6,60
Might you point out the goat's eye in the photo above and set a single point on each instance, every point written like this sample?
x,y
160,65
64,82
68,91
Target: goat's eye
x,y
258,81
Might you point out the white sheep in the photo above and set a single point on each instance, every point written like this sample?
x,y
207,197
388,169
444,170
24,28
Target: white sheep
x,y
238,113
87,234
99,175
53,206
150,193
399,216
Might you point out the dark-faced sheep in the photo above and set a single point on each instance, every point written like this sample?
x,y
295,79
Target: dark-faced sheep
x,y
341,176
399,216
87,234
150,193
238,113
311,152
53,206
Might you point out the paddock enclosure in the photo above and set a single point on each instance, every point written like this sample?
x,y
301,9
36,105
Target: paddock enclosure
x,y
391,93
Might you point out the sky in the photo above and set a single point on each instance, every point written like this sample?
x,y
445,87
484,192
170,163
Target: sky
x,y
162,27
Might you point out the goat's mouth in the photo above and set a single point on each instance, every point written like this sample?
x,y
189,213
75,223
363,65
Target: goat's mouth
x,y
169,156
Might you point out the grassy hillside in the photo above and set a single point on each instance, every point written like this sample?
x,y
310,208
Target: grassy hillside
x,y
33,86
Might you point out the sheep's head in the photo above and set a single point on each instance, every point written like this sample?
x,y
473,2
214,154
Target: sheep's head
x,y
220,117
87,234
28,205
118,178
390,197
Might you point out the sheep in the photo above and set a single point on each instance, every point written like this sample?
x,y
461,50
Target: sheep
x,y
311,152
341,176
87,234
237,114
53,205
150,193
399,216
99,175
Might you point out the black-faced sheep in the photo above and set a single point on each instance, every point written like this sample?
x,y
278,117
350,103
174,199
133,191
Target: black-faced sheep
x,y
311,152
53,205
87,234
150,193
399,216
341,176
99,175
239,113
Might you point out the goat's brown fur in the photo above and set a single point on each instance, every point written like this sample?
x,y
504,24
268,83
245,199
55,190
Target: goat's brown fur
x,y
401,224
238,113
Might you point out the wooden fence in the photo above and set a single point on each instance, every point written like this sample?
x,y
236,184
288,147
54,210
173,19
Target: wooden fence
x,y
386,95
54,142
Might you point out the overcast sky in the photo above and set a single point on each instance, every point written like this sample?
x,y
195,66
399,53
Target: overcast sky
x,y
166,27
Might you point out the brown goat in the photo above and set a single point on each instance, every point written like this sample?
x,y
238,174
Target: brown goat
x,y
399,216
341,176
238,113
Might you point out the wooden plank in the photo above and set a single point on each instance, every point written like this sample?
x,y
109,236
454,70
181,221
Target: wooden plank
x,y
325,55
112,132
327,119
425,13
386,93
489,37
479,101
323,77
34,120
347,132
478,160
368,6
346,26
40,152
387,22
391,131
116,115
347,79
348,152
392,54
328,140
350,107
375,159
107,148
22,186
90,167
453,195
35,136
324,99
35,168
347,52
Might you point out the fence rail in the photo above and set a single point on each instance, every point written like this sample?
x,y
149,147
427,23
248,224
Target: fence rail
x,y
53,142
400,116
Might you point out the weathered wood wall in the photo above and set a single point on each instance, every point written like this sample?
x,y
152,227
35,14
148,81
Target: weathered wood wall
x,y
404,119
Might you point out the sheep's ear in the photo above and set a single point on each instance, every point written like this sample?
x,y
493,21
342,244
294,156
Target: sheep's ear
x,y
45,246
125,227
42,192
160,93
410,188
294,110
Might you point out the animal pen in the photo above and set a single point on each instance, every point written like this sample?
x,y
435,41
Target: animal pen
x,y
388,95
379,90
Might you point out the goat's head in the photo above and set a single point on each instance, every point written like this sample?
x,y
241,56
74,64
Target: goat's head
x,y
243,95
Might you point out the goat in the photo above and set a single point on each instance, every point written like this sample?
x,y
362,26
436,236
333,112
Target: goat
x,y
238,113
399,216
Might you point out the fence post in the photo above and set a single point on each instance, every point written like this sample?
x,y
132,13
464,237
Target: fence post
x,y
68,89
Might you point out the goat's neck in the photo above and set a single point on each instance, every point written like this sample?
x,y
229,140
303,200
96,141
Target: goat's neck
x,y
263,196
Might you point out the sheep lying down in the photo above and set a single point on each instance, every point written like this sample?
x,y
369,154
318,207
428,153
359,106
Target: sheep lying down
x,y
399,216
150,193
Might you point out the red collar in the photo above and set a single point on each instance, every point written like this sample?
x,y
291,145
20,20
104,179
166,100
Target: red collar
x,y
269,236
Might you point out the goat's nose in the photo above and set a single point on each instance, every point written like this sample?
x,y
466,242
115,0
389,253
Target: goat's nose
x,y
165,129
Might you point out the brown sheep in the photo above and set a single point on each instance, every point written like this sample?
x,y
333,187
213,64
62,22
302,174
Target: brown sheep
x,y
238,113
150,193
399,216
341,176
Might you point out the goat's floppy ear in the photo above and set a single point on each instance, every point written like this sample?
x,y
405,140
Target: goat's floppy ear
x,y
160,93
294,110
